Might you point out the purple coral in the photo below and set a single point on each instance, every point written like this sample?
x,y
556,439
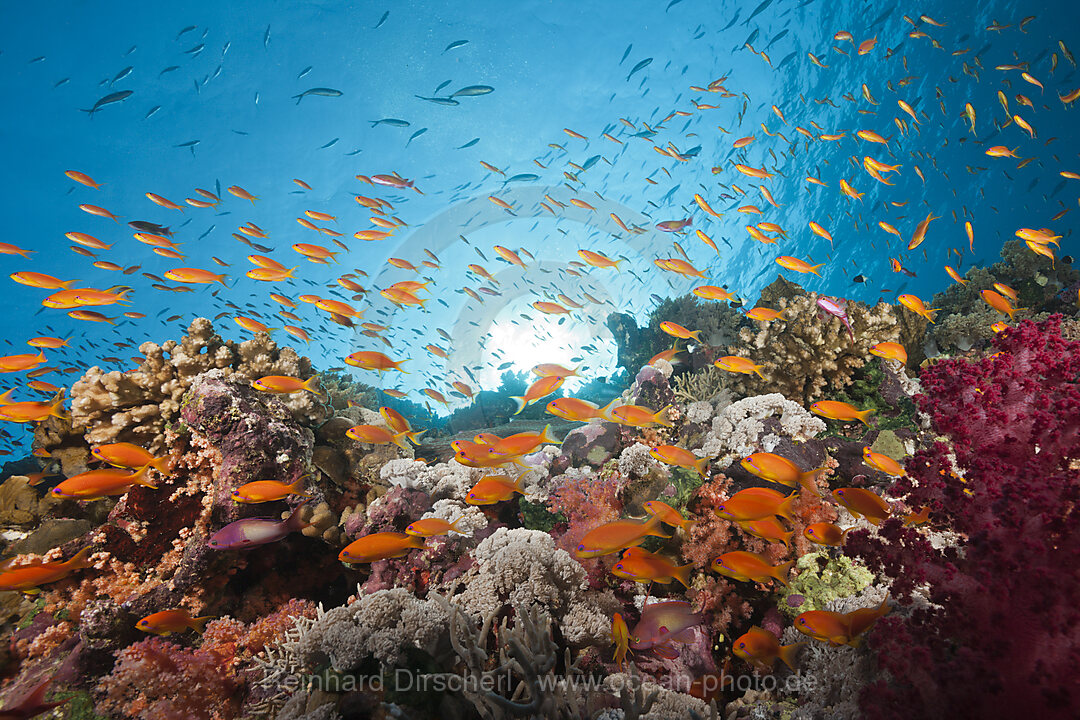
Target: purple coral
x,y
1002,636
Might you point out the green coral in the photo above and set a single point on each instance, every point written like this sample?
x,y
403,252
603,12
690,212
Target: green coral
x,y
536,516
38,606
685,482
80,706
864,393
822,579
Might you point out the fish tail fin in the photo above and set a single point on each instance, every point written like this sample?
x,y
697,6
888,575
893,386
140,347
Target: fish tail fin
x,y
221,279
780,572
813,268
5,399
161,464
290,272
521,403
35,701
696,334
808,480
788,653
80,559
311,385
57,409
399,439
616,264
453,525
198,624
547,437
414,436
757,369
653,527
661,418
295,522
702,466
141,478
864,415
297,486
67,284
604,413
784,509
397,366
682,574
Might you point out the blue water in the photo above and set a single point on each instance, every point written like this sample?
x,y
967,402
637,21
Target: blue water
x,y
553,65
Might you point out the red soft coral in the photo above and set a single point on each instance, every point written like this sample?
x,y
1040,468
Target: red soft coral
x,y
1002,637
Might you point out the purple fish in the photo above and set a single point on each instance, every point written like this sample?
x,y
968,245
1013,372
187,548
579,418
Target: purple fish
x,y
249,532
837,307
664,623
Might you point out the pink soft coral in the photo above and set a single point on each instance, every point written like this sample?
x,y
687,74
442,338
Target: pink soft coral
x,y
1002,636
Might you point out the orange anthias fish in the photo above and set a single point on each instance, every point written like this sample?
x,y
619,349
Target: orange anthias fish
x,y
890,351
836,410
380,546
825,533
840,628
667,514
882,463
28,578
661,625
797,265
430,527
575,410
680,457
676,330
97,484
620,638
373,360
754,504
917,306
645,567
260,491
737,364
538,390
761,648
493,489
127,455
775,468
999,302
638,416
711,292
284,384
864,503
749,566
617,535
167,622
377,435
523,443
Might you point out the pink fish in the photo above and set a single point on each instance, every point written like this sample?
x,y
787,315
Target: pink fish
x,y
661,624
250,532
674,225
837,307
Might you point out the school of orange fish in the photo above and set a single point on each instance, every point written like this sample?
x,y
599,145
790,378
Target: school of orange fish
x,y
758,511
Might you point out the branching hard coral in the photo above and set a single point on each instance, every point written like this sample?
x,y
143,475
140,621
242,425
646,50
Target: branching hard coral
x,y
805,357
993,640
700,386
137,405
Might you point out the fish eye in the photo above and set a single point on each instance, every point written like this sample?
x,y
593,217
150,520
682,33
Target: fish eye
x,y
581,547
742,645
